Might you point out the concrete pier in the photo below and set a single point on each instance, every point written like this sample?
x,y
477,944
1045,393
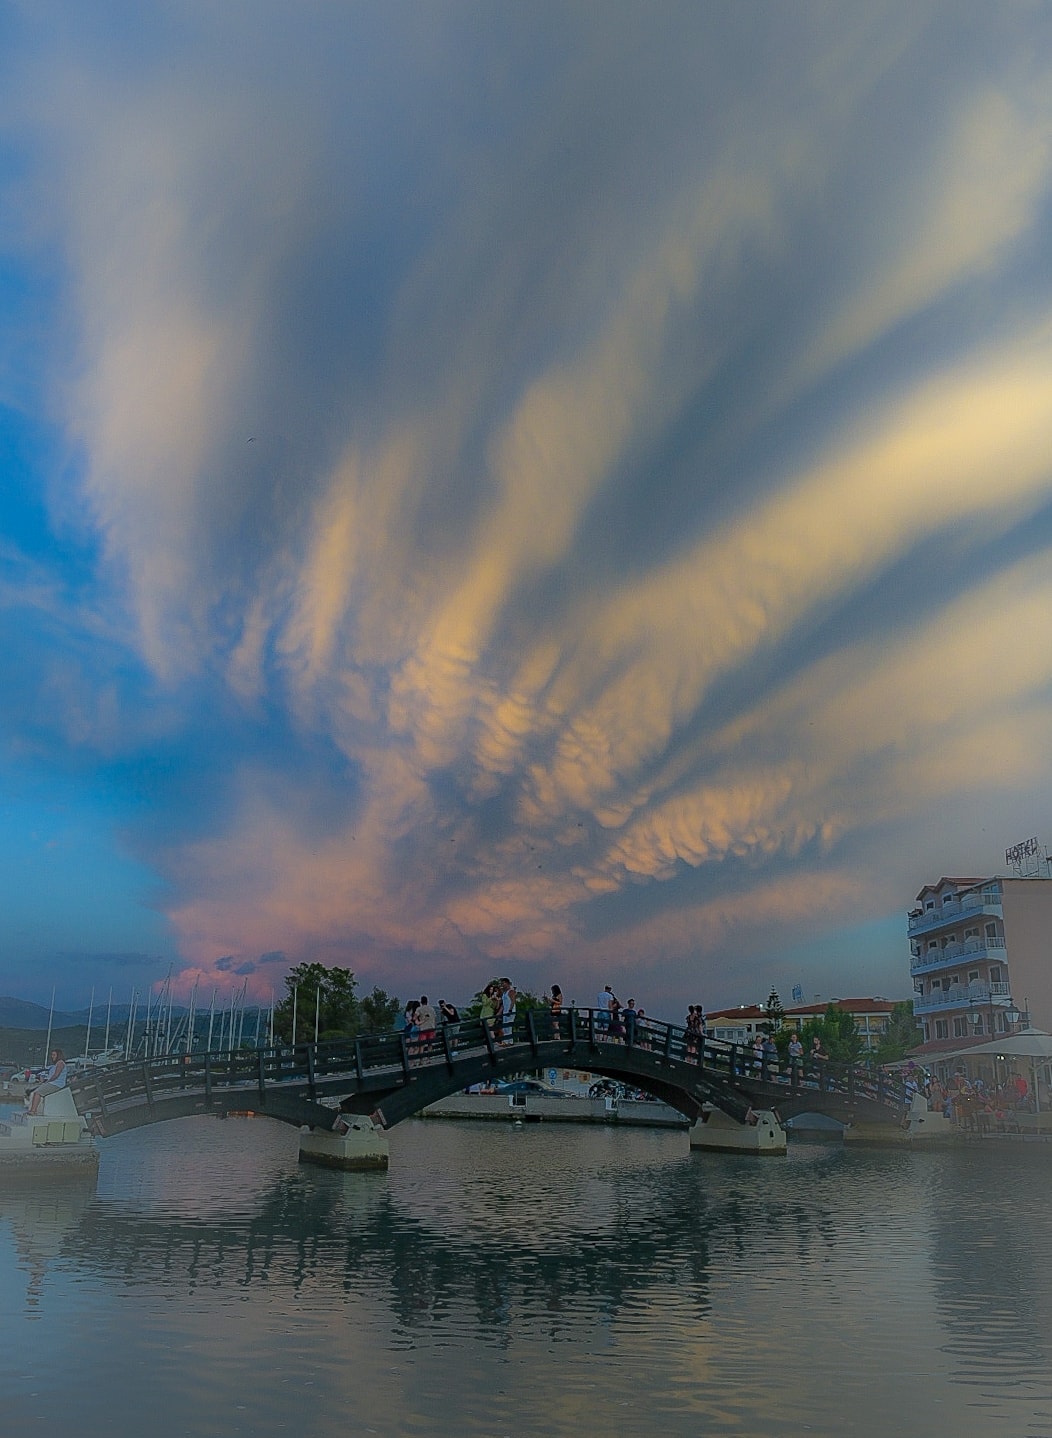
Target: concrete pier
x,y
918,1127
715,1131
356,1145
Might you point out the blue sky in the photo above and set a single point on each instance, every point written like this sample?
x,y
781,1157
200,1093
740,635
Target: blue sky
x,y
557,490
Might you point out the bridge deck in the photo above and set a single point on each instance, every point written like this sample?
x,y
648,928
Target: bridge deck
x,y
386,1076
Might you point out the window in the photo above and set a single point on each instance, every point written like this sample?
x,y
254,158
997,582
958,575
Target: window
x,y
995,973
971,933
924,1030
973,976
942,1029
933,944
930,904
991,931
960,1027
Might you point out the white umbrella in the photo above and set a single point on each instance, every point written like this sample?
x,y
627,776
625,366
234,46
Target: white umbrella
x,y
1027,1043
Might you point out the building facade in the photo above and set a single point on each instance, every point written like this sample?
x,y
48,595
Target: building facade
x,y
979,959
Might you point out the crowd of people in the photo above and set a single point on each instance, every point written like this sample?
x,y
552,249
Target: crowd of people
x,y
971,1103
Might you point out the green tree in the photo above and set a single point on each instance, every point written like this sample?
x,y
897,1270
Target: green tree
x,y
378,1012
842,1038
902,1034
328,997
775,1012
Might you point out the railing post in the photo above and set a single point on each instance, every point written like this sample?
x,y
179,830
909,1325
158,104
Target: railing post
x,y
531,1031
668,1043
312,1087
405,1054
591,1028
358,1059
487,1034
733,1061
573,1029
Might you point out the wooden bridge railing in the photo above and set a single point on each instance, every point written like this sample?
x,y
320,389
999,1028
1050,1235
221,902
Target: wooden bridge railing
x,y
384,1061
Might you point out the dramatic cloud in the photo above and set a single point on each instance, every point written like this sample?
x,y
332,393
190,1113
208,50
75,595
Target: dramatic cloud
x,y
520,488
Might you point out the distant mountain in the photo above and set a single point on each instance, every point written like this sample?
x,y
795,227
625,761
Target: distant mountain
x,y
20,1014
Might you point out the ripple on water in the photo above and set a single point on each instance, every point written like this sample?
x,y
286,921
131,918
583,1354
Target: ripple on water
x,y
528,1281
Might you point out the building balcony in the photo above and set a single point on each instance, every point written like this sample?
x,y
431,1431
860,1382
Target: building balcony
x,y
953,953
964,996
988,901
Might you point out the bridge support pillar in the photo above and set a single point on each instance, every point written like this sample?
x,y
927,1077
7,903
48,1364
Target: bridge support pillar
x,y
359,1147
919,1127
716,1131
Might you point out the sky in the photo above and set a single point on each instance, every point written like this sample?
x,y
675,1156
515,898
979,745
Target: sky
x,y
552,489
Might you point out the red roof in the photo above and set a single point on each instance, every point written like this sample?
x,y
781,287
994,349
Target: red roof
x,y
851,1006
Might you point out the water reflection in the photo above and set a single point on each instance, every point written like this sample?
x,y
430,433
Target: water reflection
x,y
575,1276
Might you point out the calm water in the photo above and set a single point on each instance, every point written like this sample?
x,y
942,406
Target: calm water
x,y
526,1281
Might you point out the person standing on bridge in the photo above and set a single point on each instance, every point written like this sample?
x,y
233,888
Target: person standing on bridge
x,y
426,1023
796,1058
604,1003
630,1014
488,1006
555,1004
508,1001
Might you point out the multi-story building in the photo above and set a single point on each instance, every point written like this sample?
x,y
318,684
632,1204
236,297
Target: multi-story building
x,y
980,952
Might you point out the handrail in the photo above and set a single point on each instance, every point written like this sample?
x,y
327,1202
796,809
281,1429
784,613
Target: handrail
x,y
387,1061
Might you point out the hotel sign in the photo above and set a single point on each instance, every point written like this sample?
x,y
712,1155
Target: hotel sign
x,y
1028,849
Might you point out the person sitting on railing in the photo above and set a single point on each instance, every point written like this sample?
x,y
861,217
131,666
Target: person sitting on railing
x,y
54,1078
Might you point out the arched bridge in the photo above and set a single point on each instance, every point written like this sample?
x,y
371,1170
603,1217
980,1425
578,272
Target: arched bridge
x,y
391,1078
